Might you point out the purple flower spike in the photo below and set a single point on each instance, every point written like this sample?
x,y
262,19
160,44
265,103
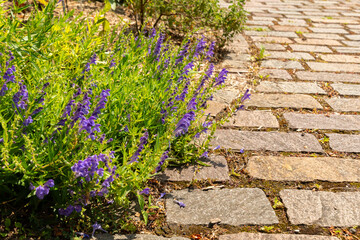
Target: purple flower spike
x,y
146,191
246,95
143,142
181,204
217,147
221,77
183,125
200,47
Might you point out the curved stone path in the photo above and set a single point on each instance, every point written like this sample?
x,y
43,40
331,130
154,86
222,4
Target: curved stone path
x,y
302,127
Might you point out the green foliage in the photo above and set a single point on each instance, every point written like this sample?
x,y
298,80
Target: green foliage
x,y
181,17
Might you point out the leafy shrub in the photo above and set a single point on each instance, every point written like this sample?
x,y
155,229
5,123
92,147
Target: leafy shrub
x,y
182,17
88,115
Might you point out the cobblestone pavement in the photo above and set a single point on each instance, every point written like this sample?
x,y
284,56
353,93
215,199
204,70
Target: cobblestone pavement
x,y
299,177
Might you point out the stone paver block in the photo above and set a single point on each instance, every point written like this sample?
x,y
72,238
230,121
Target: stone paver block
x,y
334,67
290,28
238,206
290,55
269,46
319,121
334,20
353,37
344,104
271,39
323,36
218,171
257,118
271,34
352,43
135,237
214,107
340,58
281,100
315,41
226,95
347,89
259,141
304,169
289,87
275,73
322,208
328,77
347,49
264,236
253,22
310,48
281,64
292,22
329,30
344,142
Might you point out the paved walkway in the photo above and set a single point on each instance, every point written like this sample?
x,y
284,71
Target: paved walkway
x,y
300,174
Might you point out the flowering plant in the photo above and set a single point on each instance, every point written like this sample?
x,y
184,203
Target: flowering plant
x,y
88,118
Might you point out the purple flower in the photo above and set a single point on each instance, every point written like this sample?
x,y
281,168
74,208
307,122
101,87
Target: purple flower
x,y
28,121
162,160
41,191
78,208
200,47
182,53
181,204
221,77
97,226
192,104
67,211
210,52
112,63
162,195
143,141
183,125
241,150
91,61
36,111
246,95
146,191
204,155
50,183
153,33
217,147
158,46
3,90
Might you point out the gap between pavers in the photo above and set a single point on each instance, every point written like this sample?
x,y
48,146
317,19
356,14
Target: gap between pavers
x,y
326,209
264,236
272,141
304,169
237,206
